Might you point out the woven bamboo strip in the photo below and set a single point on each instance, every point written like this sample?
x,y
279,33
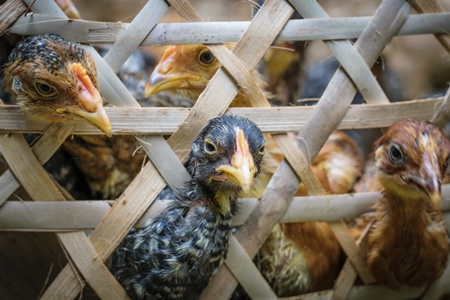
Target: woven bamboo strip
x,y
314,133
43,149
249,49
90,32
162,121
67,284
39,185
347,55
10,11
348,275
432,6
442,114
86,215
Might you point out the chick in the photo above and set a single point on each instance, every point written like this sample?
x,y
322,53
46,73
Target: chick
x,y
175,254
408,243
54,79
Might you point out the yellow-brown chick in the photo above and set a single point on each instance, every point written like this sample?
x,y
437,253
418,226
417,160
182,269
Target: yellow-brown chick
x,y
186,70
54,79
302,257
408,243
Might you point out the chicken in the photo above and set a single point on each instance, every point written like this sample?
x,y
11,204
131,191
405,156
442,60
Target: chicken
x,y
302,257
186,70
58,84
54,79
408,243
176,253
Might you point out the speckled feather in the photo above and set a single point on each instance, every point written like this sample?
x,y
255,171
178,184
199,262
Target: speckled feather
x,y
175,254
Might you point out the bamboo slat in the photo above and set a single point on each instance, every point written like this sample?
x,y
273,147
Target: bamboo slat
x,y
39,185
163,121
86,215
43,149
10,11
384,25
432,6
90,32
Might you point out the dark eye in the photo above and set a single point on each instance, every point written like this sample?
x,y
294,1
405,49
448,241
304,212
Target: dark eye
x,y
262,150
210,148
45,90
395,154
206,57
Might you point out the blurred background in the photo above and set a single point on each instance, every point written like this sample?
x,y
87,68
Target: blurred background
x,y
420,61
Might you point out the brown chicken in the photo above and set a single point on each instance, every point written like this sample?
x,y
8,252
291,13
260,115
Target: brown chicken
x,y
186,70
55,80
408,243
302,257
299,257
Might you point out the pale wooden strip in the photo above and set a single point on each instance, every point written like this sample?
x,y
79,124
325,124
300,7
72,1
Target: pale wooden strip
x,y
135,33
347,55
91,32
117,222
368,292
86,215
27,169
370,89
340,91
162,121
86,258
133,202
43,149
348,275
432,6
248,274
442,115
384,25
40,187
10,11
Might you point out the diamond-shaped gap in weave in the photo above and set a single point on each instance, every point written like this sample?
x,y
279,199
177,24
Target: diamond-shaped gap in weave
x,y
48,294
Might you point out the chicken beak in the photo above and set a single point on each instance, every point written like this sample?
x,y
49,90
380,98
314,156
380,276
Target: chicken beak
x,y
242,169
167,76
98,118
90,102
428,178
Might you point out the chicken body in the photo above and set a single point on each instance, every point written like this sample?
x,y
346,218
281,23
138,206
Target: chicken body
x,y
174,255
408,243
301,257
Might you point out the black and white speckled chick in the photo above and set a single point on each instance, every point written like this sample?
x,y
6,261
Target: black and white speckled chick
x,y
174,255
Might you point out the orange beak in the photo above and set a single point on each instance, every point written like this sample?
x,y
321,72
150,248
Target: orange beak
x,y
165,76
242,169
90,102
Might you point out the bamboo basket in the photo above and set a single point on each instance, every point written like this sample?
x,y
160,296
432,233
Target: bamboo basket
x,y
110,221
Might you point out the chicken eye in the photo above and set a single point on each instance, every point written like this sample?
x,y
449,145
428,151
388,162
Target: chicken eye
x,y
206,57
262,150
45,90
395,154
210,148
